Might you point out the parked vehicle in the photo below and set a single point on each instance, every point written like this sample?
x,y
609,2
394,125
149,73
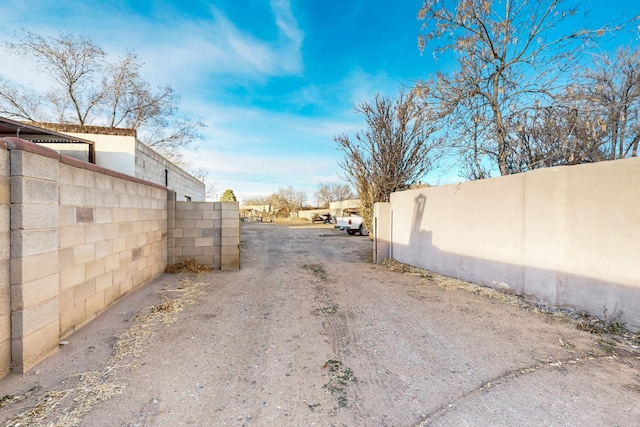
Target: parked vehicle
x,y
353,224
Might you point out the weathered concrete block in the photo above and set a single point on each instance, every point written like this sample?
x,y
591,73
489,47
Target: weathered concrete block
x,y
112,262
72,175
66,216
211,232
103,215
31,294
185,241
104,248
31,217
33,267
230,241
203,241
5,298
232,231
204,223
112,294
119,245
189,214
186,223
230,223
65,299
230,250
5,245
95,268
84,253
31,242
32,190
132,214
5,220
230,214
71,195
132,241
94,233
212,215
93,197
230,262
28,351
111,200
5,192
184,206
111,231
211,250
34,165
71,236
85,215
28,320
72,276
71,318
104,281
95,303
5,357
83,291
191,251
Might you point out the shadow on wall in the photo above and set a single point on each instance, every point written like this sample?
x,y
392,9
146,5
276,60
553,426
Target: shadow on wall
x,y
610,301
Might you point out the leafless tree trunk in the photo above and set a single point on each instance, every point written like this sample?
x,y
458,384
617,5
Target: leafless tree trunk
x,y
395,151
509,61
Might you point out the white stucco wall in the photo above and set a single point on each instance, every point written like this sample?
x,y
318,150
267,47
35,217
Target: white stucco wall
x,y
566,236
115,152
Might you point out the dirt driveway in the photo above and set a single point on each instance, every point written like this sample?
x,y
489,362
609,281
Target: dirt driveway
x,y
309,333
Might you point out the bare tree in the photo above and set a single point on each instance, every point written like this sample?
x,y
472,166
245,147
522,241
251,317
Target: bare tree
x,y
88,89
509,57
555,136
19,102
611,90
394,152
332,192
291,199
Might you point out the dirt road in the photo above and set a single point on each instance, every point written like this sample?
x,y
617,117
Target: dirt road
x,y
309,333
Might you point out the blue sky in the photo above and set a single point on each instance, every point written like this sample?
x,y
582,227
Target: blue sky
x,y
274,81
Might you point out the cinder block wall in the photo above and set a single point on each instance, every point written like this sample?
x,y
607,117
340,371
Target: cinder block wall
x,y
80,238
5,247
207,232
112,234
75,237
153,167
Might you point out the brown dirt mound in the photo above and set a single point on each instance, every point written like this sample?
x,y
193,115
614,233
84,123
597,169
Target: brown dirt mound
x,y
188,266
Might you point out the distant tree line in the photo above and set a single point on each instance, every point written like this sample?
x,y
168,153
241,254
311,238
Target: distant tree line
x,y
522,95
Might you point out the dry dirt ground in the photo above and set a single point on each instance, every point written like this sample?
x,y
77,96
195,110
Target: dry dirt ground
x,y
309,333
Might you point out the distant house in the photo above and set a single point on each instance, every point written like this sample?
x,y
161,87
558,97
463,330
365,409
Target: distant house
x,y
344,207
119,150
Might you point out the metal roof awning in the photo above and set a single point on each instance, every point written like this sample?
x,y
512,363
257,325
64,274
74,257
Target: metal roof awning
x,y
37,134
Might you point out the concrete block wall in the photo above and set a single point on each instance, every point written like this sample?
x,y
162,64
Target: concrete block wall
x,y
112,239
75,237
5,258
153,167
79,237
207,232
35,278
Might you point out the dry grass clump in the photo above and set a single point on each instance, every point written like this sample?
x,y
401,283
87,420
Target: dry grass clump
x,y
188,266
79,393
583,322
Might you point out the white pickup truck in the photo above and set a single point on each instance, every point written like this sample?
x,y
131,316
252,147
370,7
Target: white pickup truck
x,y
353,224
